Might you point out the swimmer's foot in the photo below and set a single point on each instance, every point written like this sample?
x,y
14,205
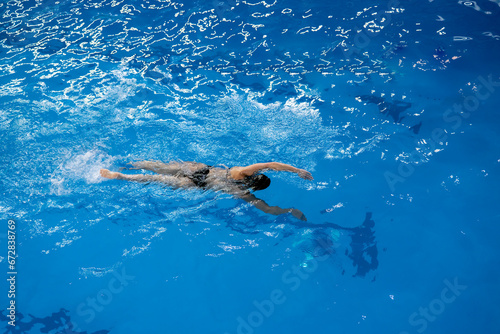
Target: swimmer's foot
x,y
107,174
134,165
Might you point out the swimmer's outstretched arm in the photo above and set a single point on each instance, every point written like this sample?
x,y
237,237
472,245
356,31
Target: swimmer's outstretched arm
x,y
273,210
241,172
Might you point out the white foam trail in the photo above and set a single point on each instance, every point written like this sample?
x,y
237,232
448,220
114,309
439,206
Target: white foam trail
x,y
84,166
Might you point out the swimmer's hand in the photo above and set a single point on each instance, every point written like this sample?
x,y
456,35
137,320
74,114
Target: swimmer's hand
x,y
304,174
298,214
107,174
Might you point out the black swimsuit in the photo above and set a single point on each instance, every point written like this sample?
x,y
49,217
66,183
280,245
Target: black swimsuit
x,y
199,177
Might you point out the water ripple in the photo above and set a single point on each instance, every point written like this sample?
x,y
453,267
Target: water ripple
x,y
87,84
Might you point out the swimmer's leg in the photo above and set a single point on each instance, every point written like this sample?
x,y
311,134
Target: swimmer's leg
x,y
171,168
169,180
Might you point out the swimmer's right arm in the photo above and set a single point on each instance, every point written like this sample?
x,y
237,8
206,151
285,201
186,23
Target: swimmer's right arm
x,y
273,210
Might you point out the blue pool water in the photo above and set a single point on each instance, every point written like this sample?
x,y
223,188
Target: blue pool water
x,y
392,105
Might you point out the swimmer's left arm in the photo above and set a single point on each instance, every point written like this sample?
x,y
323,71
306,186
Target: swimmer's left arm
x,y
277,166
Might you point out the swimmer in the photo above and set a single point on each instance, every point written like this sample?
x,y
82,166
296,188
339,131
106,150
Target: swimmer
x,y
237,181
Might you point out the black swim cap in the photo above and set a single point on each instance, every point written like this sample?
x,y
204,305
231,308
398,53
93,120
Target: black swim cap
x,y
258,182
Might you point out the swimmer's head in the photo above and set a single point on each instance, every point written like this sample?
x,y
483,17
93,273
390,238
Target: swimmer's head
x,y
257,182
